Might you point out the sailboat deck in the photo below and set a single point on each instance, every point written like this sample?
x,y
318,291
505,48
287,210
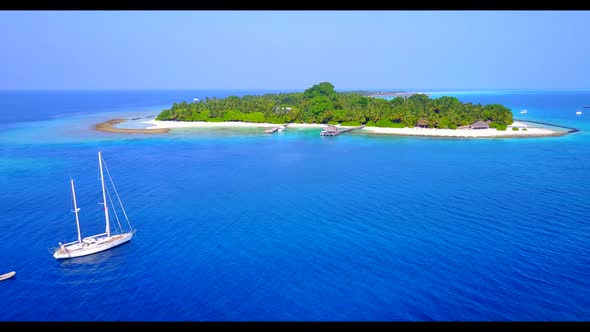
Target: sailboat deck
x,y
86,247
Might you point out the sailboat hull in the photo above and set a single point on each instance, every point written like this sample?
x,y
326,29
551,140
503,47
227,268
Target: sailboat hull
x,y
7,275
91,245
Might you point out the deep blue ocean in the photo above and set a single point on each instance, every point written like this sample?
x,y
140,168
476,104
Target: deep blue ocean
x,y
236,225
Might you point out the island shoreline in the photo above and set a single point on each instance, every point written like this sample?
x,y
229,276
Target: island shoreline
x,y
162,127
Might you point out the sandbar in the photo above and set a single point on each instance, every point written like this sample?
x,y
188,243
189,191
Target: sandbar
x,y
109,126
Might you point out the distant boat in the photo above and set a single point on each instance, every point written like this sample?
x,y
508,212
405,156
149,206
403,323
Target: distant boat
x,y
524,112
578,112
99,242
7,275
196,99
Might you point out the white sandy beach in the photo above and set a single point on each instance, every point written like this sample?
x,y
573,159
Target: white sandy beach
x,y
491,132
229,124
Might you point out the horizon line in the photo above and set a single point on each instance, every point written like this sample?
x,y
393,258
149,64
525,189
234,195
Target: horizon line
x,y
415,90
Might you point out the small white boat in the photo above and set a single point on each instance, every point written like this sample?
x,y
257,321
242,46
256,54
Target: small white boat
x,y
524,112
196,99
578,112
7,275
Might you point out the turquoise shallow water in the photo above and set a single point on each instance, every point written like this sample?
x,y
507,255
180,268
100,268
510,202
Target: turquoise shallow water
x,y
235,225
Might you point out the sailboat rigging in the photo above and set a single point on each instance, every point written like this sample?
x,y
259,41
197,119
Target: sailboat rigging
x,y
99,242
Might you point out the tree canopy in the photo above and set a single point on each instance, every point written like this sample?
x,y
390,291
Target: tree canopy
x,y
322,104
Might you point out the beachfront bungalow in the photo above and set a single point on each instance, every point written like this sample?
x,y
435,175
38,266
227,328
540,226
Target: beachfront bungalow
x,y
282,109
423,123
480,125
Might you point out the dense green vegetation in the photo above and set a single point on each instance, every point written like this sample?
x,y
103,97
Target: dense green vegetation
x,y
322,104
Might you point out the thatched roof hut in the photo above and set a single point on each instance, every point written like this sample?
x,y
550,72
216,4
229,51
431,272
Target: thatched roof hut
x,y
422,123
480,125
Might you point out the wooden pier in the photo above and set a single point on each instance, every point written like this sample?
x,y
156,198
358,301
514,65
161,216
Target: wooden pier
x,y
569,129
271,130
335,131
275,129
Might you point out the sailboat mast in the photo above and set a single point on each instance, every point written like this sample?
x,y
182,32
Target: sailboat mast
x,y
104,196
76,211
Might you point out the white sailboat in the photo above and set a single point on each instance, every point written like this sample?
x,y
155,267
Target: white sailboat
x,y
99,242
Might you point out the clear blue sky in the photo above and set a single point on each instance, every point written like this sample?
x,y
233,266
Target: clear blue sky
x,y
295,49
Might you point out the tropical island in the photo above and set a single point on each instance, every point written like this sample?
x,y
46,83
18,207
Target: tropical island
x,y
321,106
